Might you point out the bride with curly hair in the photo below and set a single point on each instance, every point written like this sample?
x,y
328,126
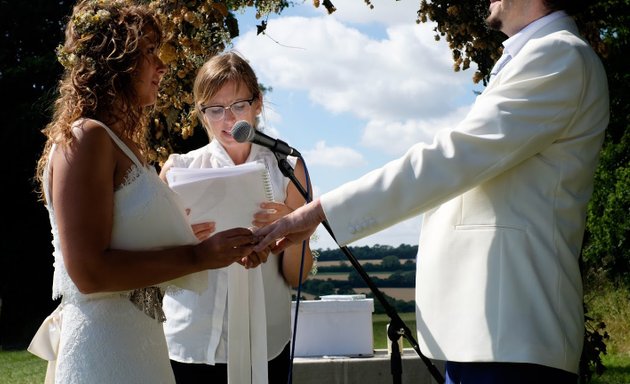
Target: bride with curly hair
x,y
120,236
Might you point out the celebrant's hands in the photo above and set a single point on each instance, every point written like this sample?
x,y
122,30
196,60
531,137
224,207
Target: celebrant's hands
x,y
203,230
270,212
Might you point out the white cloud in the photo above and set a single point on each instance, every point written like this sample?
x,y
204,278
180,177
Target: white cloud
x,y
401,85
396,137
335,157
405,74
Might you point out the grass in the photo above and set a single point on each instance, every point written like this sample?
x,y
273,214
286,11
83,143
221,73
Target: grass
x,y
617,370
21,367
612,306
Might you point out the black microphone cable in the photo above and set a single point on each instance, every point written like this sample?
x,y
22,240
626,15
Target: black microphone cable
x,y
299,287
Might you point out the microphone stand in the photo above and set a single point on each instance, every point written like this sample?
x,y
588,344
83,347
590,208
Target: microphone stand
x,y
397,327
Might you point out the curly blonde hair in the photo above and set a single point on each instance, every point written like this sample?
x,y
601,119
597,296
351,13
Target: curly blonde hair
x,y
100,55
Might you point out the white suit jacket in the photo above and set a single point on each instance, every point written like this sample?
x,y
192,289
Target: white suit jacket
x,y
504,197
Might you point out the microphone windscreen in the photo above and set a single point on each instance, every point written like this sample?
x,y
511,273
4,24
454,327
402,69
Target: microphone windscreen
x,y
242,131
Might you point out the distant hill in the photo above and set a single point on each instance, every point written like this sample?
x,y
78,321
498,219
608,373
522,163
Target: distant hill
x,y
391,268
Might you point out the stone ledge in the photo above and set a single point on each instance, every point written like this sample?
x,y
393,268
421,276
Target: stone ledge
x,y
362,370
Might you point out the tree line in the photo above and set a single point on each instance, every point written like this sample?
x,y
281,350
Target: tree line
x,y
401,275
375,252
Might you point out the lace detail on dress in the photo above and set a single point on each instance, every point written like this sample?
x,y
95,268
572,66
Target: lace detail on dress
x,y
133,173
149,301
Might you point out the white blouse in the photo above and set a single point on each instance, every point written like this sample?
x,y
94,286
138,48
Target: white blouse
x,y
197,326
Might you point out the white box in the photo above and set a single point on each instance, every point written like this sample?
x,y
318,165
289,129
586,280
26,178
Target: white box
x,y
336,325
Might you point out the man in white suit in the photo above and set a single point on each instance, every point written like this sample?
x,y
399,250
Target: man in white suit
x,y
504,195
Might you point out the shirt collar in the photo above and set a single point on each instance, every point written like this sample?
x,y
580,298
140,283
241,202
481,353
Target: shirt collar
x,y
514,44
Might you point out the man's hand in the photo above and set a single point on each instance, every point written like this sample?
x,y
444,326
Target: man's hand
x,y
292,229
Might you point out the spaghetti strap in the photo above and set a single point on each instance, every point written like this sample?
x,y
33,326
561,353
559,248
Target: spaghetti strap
x,y
117,140
120,144
46,176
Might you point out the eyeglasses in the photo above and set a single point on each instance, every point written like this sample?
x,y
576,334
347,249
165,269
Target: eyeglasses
x,y
217,112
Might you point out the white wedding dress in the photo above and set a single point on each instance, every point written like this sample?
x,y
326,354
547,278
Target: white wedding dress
x,y
117,337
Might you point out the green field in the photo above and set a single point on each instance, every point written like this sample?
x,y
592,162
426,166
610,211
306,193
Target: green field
x,y
379,328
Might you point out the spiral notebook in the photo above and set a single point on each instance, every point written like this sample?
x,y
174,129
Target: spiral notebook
x,y
228,196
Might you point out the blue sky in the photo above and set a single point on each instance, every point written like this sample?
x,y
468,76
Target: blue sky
x,y
354,90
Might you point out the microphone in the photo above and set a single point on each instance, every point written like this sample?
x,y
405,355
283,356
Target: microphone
x,y
242,131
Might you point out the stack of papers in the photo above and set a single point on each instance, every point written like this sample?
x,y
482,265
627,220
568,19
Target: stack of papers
x,y
228,196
